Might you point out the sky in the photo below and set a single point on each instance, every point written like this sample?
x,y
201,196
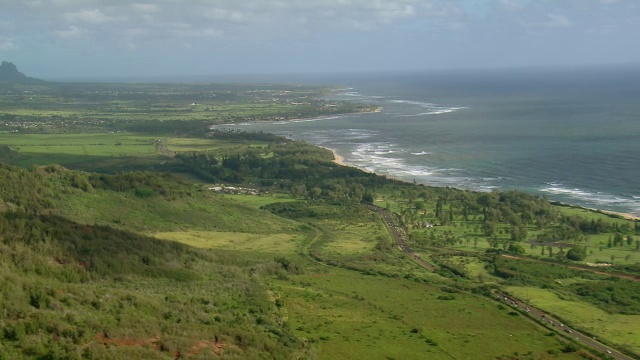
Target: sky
x,y
105,38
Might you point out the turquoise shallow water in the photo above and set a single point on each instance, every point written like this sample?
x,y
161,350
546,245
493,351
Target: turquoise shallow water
x,y
570,134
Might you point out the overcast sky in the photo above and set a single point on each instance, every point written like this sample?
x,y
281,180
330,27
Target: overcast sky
x,y
102,38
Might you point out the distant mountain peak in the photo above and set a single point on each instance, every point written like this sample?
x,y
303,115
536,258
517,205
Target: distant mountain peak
x,y
9,69
9,73
9,66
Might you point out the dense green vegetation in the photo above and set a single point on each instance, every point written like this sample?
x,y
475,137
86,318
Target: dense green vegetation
x,y
78,291
130,229
615,296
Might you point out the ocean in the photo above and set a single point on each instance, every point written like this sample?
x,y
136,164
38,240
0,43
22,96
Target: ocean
x,y
570,134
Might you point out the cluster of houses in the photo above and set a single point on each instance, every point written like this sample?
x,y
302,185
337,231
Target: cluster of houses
x,y
234,190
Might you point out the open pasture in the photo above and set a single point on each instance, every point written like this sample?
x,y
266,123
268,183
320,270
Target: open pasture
x,y
268,243
106,144
183,144
355,316
350,239
201,212
73,150
617,329
258,201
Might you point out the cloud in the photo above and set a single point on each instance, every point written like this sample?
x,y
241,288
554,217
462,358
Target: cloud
x,y
329,14
70,33
258,18
197,33
7,44
7,25
145,8
551,21
511,5
135,32
221,14
95,16
557,21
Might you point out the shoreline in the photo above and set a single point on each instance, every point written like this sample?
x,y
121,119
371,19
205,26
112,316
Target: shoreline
x,y
337,159
340,160
311,118
627,216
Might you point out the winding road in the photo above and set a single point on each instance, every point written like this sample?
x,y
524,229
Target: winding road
x,y
557,326
532,311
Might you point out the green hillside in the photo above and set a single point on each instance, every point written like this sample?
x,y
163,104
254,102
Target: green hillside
x,y
78,291
129,229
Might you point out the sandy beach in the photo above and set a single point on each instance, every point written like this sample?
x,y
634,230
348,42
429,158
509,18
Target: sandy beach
x,y
624,215
336,158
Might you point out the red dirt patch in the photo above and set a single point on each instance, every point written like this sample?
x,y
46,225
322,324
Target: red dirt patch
x,y
106,340
216,346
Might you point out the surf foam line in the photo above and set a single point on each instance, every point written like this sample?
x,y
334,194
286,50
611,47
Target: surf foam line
x,y
434,109
596,199
376,158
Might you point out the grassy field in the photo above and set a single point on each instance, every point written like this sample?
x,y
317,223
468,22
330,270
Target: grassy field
x,y
182,112
204,212
471,237
349,317
106,144
261,200
616,329
596,245
345,315
83,151
268,244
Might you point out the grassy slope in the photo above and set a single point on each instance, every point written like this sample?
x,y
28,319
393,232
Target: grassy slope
x,y
357,308
612,328
358,316
206,220
75,291
203,211
347,315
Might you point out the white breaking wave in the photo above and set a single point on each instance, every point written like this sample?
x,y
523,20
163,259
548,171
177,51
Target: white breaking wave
x,y
311,119
281,122
441,111
338,137
596,199
375,157
421,153
419,103
433,109
354,95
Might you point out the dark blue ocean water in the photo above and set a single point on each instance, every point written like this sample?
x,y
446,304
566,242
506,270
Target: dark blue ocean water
x,y
572,134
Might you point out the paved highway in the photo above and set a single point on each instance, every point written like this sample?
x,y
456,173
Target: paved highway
x,y
510,300
399,236
556,325
538,314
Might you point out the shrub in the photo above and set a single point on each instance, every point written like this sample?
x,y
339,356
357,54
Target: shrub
x,y
576,254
